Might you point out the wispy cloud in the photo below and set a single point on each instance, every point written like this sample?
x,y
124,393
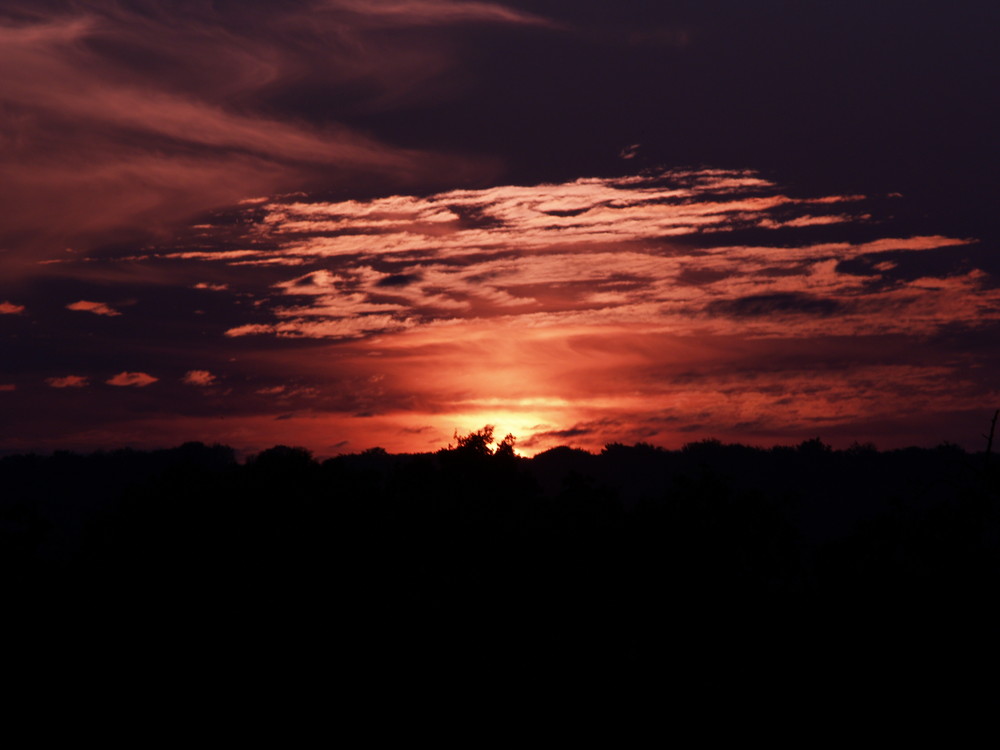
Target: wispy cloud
x,y
274,390
68,381
9,308
135,379
130,118
652,251
333,328
97,308
435,12
199,378
630,152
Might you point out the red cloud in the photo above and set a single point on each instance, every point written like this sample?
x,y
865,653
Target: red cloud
x,y
137,379
120,148
198,378
69,381
9,308
98,308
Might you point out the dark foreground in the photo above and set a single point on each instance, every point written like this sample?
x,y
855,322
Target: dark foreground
x,y
713,563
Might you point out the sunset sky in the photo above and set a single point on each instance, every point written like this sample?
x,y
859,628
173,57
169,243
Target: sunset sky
x,y
352,223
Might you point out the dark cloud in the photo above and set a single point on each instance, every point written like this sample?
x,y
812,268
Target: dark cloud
x,y
547,438
417,430
784,303
700,276
398,279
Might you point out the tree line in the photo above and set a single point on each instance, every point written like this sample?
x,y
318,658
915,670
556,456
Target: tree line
x,y
473,552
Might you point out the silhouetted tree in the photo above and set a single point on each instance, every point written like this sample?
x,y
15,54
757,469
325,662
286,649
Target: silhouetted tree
x,y
638,550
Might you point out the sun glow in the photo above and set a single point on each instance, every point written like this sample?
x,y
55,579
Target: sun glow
x,y
660,308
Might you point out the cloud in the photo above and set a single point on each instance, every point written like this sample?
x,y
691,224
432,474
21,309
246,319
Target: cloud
x,y
652,251
563,437
435,12
398,279
653,307
658,307
212,287
326,328
98,308
198,378
675,203
630,152
123,120
781,303
136,379
271,391
69,381
9,308
7,387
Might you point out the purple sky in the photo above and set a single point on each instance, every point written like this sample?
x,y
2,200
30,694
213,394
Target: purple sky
x,y
342,224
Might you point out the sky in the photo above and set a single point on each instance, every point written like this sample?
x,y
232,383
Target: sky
x,y
343,224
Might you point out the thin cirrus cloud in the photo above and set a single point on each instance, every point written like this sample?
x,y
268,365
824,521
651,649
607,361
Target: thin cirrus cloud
x,y
68,381
131,379
97,308
129,118
435,12
9,308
